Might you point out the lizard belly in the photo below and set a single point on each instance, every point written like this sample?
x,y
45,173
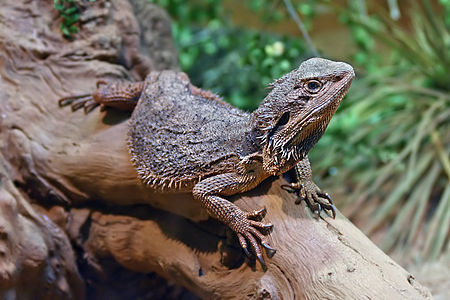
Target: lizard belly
x,y
177,138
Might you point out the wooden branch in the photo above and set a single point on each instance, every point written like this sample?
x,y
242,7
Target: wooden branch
x,y
36,258
315,259
74,159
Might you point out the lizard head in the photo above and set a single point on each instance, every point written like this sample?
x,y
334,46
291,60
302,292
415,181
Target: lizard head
x,y
296,112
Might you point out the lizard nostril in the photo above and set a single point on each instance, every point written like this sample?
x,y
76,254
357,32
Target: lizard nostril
x,y
303,98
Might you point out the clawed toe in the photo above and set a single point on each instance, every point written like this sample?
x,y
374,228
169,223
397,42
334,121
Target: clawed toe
x,y
261,261
76,102
333,211
320,206
269,250
315,199
267,228
326,196
257,214
291,188
251,237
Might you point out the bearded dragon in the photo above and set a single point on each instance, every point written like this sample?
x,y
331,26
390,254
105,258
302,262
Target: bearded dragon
x,y
187,139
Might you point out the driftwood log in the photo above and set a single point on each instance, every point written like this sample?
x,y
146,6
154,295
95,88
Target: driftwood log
x,y
72,211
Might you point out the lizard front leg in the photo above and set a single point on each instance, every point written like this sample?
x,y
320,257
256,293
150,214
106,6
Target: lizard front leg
x,y
315,198
209,190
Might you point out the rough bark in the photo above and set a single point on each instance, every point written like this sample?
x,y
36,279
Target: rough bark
x,y
77,168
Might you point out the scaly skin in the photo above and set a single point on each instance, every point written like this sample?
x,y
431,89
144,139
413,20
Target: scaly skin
x,y
184,138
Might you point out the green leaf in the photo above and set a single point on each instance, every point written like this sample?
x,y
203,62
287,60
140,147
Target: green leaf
x,y
73,29
306,9
70,10
70,20
64,30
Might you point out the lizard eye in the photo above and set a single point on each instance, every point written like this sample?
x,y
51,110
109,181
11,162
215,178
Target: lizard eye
x,y
313,86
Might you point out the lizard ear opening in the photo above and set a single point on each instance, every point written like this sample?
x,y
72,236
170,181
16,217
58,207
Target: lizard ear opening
x,y
283,120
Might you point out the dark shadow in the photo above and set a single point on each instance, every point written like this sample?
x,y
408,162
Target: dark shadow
x,y
262,189
176,227
203,236
115,116
116,283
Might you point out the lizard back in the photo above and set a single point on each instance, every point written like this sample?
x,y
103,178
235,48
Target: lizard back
x,y
176,134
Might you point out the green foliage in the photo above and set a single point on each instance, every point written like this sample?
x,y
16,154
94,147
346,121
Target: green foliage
x,y
426,46
70,15
234,62
69,11
391,140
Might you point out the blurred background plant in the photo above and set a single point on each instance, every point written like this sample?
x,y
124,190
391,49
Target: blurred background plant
x,y
395,127
232,61
385,156
69,13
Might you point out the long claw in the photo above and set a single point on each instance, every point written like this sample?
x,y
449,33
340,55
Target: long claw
x,y
64,101
268,227
243,244
101,82
247,253
325,195
333,211
269,250
77,104
318,210
261,261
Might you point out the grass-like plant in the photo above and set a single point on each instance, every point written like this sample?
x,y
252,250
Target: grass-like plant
x,y
390,143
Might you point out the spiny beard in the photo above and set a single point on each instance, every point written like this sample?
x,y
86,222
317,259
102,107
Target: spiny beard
x,y
280,154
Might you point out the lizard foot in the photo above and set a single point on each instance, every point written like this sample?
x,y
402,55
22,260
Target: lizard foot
x,y
79,101
85,101
315,198
248,233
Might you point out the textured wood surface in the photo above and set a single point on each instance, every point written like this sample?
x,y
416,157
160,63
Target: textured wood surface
x,y
80,165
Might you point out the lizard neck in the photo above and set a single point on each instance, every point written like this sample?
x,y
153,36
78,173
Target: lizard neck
x,y
260,123
250,143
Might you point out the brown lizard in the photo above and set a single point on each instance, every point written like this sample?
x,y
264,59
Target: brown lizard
x,y
184,138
